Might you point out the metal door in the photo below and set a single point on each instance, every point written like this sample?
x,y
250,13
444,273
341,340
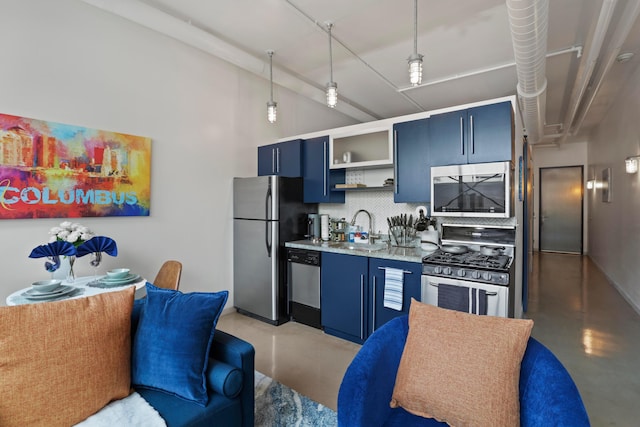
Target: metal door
x,y
561,195
255,267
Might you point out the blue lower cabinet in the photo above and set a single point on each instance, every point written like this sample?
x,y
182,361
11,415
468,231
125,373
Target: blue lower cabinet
x,y
343,280
352,294
379,314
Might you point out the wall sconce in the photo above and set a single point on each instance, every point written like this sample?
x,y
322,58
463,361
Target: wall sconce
x,y
591,184
631,164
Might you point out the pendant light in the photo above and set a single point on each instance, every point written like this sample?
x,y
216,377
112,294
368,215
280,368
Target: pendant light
x,y
271,106
332,87
415,60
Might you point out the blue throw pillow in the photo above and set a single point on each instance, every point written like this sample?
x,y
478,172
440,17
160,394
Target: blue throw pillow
x,y
171,346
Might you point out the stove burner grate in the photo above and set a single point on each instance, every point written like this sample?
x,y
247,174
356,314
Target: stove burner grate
x,y
470,259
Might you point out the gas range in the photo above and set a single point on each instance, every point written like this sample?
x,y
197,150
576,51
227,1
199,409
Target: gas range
x,y
473,253
472,265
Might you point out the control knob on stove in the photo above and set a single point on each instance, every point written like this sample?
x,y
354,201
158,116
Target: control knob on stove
x,y
461,273
447,271
437,269
486,275
475,274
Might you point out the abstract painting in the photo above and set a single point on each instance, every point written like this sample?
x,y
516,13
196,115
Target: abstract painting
x,y
53,170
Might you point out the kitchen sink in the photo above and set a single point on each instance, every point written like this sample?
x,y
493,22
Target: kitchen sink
x,y
362,247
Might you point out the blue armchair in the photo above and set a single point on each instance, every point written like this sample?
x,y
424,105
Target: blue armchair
x,y
230,385
548,395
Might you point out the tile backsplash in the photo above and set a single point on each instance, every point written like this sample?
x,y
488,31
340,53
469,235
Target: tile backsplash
x,y
379,203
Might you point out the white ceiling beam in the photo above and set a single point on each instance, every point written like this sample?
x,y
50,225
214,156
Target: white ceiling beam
x,y
164,23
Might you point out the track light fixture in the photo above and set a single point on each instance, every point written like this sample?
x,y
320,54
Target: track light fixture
x,y
332,87
271,106
415,60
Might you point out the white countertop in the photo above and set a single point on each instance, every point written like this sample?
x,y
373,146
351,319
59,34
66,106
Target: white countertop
x,y
402,254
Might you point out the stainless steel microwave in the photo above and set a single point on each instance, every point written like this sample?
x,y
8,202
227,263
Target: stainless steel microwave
x,y
472,190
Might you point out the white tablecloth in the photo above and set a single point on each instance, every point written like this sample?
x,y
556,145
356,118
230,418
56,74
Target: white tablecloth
x,y
83,290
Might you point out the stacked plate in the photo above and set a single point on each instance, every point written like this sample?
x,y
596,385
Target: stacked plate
x,y
118,277
34,294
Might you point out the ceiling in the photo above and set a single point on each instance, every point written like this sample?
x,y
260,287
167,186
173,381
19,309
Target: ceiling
x,y
467,47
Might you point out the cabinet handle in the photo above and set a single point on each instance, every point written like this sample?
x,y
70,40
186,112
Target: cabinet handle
x,y
362,306
277,160
395,161
472,136
461,136
373,325
324,168
273,160
404,271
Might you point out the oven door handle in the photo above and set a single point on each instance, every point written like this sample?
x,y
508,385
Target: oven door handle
x,y
489,294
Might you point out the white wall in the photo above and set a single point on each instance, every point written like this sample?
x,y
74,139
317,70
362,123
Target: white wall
x,y
614,228
68,62
573,154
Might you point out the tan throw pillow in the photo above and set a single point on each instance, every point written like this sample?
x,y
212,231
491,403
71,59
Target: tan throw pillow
x,y
63,361
460,368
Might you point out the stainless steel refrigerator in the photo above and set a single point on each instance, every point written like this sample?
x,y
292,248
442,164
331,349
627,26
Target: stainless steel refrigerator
x,y
267,211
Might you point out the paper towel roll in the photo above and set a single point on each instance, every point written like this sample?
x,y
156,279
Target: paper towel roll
x,y
324,227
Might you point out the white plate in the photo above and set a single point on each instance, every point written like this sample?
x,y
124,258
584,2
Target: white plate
x,y
119,279
39,296
33,292
120,282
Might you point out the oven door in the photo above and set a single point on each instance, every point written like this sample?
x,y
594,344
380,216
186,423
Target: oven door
x,y
497,296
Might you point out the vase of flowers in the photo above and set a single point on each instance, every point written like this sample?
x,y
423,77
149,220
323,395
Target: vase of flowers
x,y
73,233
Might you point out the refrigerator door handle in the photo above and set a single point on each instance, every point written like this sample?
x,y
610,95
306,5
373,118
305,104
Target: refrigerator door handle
x,y
267,224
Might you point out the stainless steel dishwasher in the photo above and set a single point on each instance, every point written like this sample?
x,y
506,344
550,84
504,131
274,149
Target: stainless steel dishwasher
x,y
304,286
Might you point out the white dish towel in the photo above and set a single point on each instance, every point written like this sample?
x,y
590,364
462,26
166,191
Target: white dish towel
x,y
393,288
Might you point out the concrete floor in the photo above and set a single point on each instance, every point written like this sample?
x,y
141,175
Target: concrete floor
x,y
577,314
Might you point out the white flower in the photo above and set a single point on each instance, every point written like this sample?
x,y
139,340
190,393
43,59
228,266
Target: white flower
x,y
71,232
55,230
73,237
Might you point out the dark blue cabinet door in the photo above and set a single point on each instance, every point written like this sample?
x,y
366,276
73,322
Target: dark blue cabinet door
x,y
266,160
490,133
318,178
343,280
447,138
412,163
378,314
283,159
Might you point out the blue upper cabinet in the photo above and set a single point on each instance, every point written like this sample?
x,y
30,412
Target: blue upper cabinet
x,y
412,166
318,179
476,135
283,159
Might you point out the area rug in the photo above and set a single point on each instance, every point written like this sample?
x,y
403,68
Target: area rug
x,y
277,405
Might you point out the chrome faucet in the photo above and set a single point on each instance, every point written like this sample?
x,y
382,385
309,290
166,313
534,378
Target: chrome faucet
x,y
353,220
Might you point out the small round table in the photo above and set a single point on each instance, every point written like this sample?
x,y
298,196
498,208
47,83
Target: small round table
x,y
82,290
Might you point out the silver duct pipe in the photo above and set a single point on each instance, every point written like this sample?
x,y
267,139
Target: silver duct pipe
x,y
583,80
529,20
